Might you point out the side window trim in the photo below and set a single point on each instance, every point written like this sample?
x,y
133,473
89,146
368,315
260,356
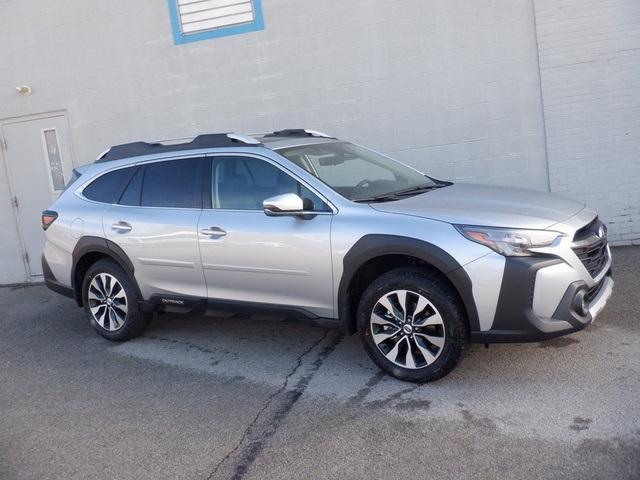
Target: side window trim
x,y
136,169
207,186
332,209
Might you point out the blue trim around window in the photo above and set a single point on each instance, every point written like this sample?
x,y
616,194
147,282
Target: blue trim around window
x,y
179,37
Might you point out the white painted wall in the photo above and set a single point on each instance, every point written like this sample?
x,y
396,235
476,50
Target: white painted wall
x,y
590,70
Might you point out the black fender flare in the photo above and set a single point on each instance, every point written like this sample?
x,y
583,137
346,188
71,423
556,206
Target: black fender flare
x,y
90,244
377,245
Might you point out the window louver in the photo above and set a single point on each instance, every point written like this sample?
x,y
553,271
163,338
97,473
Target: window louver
x,y
204,15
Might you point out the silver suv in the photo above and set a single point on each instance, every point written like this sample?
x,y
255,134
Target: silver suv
x,y
307,226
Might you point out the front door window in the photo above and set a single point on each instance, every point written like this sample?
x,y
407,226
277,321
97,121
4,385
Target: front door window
x,y
243,183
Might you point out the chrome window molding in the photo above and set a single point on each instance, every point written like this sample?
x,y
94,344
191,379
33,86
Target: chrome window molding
x,y
79,191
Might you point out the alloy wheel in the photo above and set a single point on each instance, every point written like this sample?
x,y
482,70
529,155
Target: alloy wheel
x,y
107,301
407,329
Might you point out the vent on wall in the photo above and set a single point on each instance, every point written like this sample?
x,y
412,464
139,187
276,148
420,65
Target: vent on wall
x,y
201,19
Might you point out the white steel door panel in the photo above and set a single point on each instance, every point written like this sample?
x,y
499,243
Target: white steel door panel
x,y
39,161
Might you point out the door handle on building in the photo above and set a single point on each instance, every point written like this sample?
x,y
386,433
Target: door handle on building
x,y
121,227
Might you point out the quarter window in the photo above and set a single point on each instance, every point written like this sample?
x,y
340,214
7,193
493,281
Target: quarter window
x,y
173,184
108,187
243,183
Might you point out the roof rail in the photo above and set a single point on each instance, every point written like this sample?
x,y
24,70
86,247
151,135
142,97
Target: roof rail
x,y
298,132
210,140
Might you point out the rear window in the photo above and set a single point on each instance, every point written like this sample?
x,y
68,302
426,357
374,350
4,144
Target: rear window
x,y
108,187
173,184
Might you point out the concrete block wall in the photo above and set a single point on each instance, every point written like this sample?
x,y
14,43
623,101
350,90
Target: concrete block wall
x,y
449,87
590,70
452,87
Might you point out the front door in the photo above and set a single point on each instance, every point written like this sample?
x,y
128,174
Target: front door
x,y
248,256
38,154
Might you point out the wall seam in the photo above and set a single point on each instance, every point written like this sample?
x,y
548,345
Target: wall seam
x,y
544,120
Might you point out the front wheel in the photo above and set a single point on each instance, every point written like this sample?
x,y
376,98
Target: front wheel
x,y
412,325
110,300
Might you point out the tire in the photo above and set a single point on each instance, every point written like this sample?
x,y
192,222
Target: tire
x,y
111,301
432,340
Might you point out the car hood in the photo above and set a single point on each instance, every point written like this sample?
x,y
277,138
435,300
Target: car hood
x,y
487,205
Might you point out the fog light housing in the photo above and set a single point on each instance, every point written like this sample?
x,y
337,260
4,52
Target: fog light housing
x,y
580,303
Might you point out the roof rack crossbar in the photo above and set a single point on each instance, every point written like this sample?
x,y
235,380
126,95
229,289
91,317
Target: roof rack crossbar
x,y
209,140
298,132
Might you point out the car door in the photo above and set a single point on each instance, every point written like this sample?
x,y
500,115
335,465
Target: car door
x,y
247,256
155,222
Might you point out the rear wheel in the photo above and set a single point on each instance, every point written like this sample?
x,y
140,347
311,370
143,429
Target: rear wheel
x,y
412,325
111,299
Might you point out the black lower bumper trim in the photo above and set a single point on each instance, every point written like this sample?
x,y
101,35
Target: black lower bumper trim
x,y
52,283
512,336
59,288
196,305
514,320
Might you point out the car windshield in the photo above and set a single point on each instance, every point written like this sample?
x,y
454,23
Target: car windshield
x,y
357,173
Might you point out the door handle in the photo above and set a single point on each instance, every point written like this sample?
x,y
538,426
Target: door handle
x,y
121,227
213,232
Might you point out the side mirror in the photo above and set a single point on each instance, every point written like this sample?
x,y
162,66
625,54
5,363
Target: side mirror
x,y
285,204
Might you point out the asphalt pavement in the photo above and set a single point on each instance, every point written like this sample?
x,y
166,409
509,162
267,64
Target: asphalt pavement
x,y
259,398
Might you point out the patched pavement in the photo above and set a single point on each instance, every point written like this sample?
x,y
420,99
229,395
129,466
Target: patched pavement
x,y
203,397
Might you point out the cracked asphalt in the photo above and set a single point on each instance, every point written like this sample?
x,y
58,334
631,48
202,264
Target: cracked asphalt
x,y
218,398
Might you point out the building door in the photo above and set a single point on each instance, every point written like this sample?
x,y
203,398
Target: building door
x,y
38,155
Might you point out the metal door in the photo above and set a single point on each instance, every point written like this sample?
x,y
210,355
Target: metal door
x,y
39,164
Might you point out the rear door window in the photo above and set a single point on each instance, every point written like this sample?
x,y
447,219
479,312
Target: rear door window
x,y
173,184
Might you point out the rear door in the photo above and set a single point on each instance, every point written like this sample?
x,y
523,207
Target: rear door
x,y
155,222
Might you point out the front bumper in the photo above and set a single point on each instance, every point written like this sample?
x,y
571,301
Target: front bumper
x,y
537,300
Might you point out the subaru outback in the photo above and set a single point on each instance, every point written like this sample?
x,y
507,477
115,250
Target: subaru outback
x,y
307,226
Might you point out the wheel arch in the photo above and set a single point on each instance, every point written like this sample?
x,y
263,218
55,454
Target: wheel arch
x,y
373,255
88,251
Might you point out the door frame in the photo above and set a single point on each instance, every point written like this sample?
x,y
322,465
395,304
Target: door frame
x,y
12,191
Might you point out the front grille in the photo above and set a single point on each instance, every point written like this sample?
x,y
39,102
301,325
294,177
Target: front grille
x,y
594,291
590,245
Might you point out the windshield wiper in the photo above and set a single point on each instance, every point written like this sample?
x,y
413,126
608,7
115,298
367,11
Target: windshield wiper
x,y
398,194
417,189
377,198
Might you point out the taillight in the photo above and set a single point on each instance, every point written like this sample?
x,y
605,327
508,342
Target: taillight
x,y
48,217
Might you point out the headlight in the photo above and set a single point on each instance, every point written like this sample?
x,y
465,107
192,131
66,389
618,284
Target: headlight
x,y
509,242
